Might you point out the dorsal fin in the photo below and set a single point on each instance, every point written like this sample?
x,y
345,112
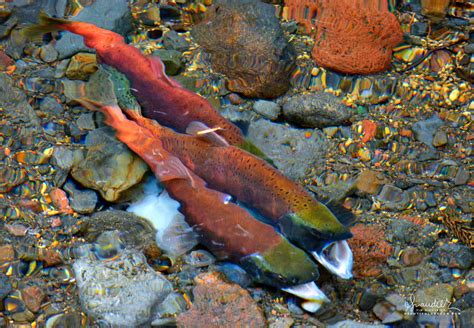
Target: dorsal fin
x,y
159,70
201,130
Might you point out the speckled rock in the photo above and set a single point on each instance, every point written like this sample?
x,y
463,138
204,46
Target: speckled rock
x,y
107,165
294,151
81,201
14,102
316,110
121,291
435,299
171,59
221,304
173,41
247,45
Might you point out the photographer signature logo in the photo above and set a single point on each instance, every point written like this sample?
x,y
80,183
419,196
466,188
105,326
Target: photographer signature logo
x,y
433,307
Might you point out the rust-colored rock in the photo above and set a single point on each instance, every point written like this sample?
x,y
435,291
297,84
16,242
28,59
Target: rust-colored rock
x,y
370,250
220,304
33,297
7,253
352,36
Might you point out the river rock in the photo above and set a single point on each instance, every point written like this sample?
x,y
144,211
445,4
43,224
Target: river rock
x,y
247,45
121,291
81,66
267,109
294,151
14,102
173,41
107,165
453,256
434,299
221,304
81,201
118,20
316,110
425,130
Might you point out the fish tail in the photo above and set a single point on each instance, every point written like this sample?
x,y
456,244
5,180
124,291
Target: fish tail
x,y
46,24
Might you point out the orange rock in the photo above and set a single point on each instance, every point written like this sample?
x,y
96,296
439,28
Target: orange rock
x,y
60,200
7,253
352,36
370,250
33,297
368,128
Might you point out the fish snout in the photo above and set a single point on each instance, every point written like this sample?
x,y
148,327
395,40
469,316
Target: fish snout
x,y
336,257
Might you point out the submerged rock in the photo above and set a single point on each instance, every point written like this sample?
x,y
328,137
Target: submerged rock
x,y
120,291
267,109
14,102
221,304
118,20
425,130
246,43
316,110
107,165
81,201
81,66
294,151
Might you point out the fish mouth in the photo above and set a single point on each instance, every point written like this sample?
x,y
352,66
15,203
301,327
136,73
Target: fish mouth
x,y
337,258
310,292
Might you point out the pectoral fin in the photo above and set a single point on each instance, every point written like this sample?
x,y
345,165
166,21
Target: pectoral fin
x,y
172,168
201,130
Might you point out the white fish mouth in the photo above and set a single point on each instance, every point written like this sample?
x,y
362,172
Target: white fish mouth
x,y
337,258
310,292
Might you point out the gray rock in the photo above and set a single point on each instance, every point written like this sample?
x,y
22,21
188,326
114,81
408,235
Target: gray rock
x,y
404,231
267,109
118,20
63,157
393,198
15,45
435,299
171,59
465,318
86,121
355,324
440,138
48,54
15,104
292,152
280,322
51,105
453,256
425,130
81,201
107,165
247,45
316,110
120,291
5,286
173,41
174,303
235,274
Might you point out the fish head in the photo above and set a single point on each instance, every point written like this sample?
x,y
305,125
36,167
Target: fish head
x,y
283,265
319,232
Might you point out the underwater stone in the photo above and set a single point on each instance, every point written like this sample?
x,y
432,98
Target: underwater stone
x,y
442,293
453,256
5,286
222,304
107,166
118,20
120,291
81,66
267,109
425,130
48,54
247,45
393,198
174,41
316,110
81,201
291,149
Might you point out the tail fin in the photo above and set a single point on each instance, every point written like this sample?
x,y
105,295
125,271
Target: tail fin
x,y
46,24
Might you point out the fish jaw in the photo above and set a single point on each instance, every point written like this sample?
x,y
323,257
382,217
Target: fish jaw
x,y
282,265
310,292
337,258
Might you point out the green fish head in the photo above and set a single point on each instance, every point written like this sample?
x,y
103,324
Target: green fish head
x,y
313,227
281,266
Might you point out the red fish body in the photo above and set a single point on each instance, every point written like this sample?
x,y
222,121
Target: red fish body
x,y
227,229
301,218
161,98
